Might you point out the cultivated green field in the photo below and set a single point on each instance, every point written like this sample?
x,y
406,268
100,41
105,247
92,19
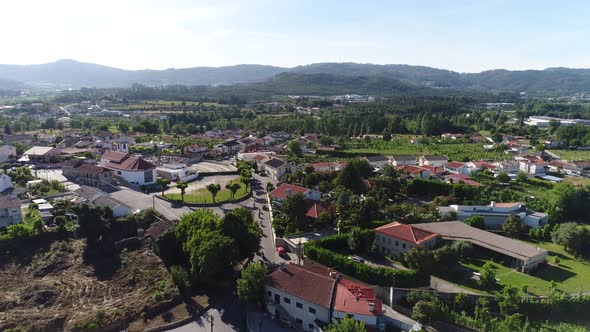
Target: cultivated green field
x,y
572,154
204,196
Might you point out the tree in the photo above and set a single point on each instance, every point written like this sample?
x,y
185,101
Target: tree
x,y
522,177
427,311
355,239
347,324
214,255
34,220
419,258
233,189
246,178
462,301
294,209
508,300
571,237
239,224
487,276
482,312
295,148
386,136
503,177
475,221
250,285
269,187
179,277
513,226
92,221
163,184
182,186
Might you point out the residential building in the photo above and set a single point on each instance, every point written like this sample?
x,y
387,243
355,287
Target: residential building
x,y
533,166
452,136
456,167
310,298
433,160
196,149
248,144
23,139
255,156
377,161
133,170
510,166
7,153
476,166
98,197
41,154
280,193
522,255
461,178
275,168
95,176
10,211
402,160
495,214
414,171
71,168
229,147
396,238
328,166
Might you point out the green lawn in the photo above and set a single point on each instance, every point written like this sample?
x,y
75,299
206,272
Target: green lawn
x,y
204,196
571,275
572,154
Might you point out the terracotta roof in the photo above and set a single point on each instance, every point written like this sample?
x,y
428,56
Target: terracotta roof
x,y
405,232
470,182
455,164
303,283
458,176
91,169
315,210
432,169
483,164
114,156
72,163
260,157
281,191
354,298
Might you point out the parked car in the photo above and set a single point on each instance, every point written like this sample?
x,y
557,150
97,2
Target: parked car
x,y
356,259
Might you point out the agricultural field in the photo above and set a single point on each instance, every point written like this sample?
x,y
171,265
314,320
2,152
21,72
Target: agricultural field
x,y
60,285
572,154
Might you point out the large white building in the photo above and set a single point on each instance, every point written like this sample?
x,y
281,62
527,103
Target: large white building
x,y
543,121
134,170
495,214
311,298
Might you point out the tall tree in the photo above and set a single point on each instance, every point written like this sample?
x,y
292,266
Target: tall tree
x,y
513,226
213,188
163,183
250,285
233,189
182,186
347,324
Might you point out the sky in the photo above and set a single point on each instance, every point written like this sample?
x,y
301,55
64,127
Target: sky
x,y
464,36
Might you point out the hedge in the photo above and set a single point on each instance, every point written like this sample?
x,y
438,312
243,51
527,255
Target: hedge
x,y
381,276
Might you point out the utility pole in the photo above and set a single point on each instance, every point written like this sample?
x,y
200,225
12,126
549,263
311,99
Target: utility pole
x,y
154,202
211,321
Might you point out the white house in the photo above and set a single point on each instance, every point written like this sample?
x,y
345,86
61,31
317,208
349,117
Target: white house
x,y
280,193
177,172
495,214
377,161
506,166
403,161
533,166
275,168
456,167
10,212
432,160
134,170
396,238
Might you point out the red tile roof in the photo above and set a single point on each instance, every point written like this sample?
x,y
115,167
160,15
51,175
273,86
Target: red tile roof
x,y
353,298
125,162
483,164
114,156
91,169
405,232
315,210
304,283
470,182
281,191
260,157
455,164
458,176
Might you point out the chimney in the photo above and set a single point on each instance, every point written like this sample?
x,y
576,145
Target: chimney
x,y
372,306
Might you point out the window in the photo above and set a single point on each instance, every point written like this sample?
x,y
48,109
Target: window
x,y
277,298
404,245
312,310
298,321
119,172
389,241
286,300
396,243
299,305
269,293
311,326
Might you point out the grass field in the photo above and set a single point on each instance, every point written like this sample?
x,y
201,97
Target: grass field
x,y
457,152
572,154
204,196
577,181
571,275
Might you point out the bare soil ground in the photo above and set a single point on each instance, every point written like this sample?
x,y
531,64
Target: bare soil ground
x,y
49,285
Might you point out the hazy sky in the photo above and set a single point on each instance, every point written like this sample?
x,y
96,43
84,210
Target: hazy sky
x,y
459,35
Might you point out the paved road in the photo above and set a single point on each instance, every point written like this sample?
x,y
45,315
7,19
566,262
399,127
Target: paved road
x,y
226,318
267,244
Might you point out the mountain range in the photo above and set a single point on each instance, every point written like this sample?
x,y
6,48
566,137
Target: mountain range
x,y
319,78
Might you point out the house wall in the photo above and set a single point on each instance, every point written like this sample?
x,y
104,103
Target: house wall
x,y
121,211
402,162
435,163
379,164
136,177
368,320
306,317
10,216
388,245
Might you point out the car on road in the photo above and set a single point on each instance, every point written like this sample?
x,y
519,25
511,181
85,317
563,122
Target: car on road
x,y
356,259
281,251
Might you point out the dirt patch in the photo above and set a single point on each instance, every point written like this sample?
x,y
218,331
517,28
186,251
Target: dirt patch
x,y
64,285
